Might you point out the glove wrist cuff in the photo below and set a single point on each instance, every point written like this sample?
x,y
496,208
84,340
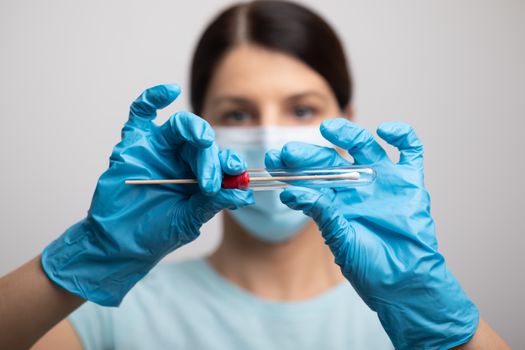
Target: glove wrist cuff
x,y
446,319
77,262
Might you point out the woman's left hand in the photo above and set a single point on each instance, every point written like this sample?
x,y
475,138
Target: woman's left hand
x,y
382,235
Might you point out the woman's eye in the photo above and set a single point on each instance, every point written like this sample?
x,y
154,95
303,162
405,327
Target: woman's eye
x,y
303,112
236,117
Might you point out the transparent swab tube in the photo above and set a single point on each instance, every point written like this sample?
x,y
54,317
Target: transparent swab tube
x,y
332,177
264,180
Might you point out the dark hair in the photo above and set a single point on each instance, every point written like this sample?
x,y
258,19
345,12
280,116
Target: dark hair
x,y
277,25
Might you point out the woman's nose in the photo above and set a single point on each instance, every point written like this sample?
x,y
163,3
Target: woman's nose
x,y
270,116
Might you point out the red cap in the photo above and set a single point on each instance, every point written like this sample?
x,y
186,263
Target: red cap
x,y
241,181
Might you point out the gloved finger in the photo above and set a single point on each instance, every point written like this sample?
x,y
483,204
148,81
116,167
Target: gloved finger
x,y
403,136
336,230
297,155
184,127
272,159
144,109
193,139
231,162
208,169
356,140
204,165
201,208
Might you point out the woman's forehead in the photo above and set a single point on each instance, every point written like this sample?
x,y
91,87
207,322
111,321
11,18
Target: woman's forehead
x,y
250,70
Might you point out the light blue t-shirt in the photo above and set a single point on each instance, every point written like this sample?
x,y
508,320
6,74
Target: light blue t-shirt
x,y
190,306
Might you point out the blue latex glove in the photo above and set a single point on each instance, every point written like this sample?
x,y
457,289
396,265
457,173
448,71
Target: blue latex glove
x,y
382,235
129,228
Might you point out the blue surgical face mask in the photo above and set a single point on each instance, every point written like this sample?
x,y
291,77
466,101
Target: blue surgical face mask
x,y
268,219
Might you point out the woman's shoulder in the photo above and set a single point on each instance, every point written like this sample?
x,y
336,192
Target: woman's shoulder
x,y
168,284
164,297
172,280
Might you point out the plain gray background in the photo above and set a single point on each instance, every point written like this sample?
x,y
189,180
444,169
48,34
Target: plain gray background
x,y
455,70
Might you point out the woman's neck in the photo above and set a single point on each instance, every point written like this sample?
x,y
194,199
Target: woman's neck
x,y
300,268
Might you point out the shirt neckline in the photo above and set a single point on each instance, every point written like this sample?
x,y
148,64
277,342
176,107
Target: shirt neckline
x,y
231,291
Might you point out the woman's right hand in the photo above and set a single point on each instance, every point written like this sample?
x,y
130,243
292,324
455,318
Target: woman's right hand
x,y
129,228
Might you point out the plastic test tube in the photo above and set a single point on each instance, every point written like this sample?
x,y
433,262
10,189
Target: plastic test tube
x,y
263,179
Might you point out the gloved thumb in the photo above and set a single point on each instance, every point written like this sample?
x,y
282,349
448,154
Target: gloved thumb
x,y
338,233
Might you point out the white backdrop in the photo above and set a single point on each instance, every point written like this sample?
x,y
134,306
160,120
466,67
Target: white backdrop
x,y
455,70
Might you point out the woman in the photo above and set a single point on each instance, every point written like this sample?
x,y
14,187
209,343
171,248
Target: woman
x,y
264,73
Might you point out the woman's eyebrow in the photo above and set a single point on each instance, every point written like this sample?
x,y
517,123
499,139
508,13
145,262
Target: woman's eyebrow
x,y
304,94
231,99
